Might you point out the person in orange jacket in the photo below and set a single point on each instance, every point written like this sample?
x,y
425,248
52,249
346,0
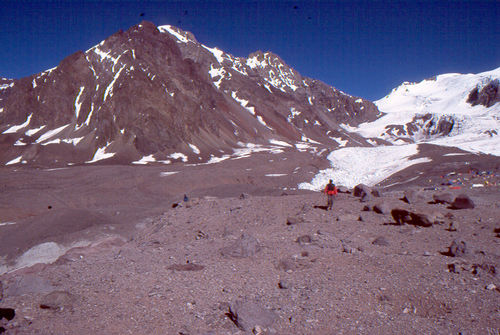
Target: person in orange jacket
x,y
330,191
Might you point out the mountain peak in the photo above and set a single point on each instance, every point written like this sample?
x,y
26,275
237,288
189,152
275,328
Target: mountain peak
x,y
153,94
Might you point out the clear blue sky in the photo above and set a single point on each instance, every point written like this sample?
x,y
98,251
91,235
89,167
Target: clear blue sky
x,y
364,48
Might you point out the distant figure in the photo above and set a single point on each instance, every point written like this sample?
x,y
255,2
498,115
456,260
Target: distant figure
x,y
186,199
330,191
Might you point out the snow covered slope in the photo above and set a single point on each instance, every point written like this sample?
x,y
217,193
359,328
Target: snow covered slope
x,y
452,110
441,111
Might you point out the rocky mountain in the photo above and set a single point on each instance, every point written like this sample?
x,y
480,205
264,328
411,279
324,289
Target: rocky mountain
x,y
155,94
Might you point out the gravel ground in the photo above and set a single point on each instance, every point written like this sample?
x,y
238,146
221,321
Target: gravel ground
x,y
275,264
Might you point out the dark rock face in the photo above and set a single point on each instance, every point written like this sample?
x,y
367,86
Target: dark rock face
x,y
156,92
486,96
462,202
422,126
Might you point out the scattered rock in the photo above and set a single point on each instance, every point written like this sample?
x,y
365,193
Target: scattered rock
x,y
413,196
462,202
366,208
478,269
304,240
381,208
248,315
245,246
421,220
243,196
201,235
362,190
381,241
348,248
186,267
497,231
491,287
57,300
442,198
283,284
400,216
293,220
456,249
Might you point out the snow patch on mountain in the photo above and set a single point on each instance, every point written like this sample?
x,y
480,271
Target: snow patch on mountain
x,y
475,128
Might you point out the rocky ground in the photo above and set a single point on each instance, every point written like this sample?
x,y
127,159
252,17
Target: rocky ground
x,y
265,260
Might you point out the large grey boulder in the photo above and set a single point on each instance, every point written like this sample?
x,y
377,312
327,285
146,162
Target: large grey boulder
x,y
248,315
57,300
245,246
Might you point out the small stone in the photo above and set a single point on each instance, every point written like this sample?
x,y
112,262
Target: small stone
x,y
491,287
283,285
304,240
380,241
186,267
292,220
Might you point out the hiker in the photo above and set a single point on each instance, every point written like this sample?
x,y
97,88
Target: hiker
x,y
330,191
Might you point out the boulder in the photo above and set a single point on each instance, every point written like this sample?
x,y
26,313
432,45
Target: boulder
x,y
381,208
57,300
380,241
400,216
413,196
7,313
366,197
249,315
293,220
442,198
360,190
304,240
245,246
421,220
342,189
462,202
457,248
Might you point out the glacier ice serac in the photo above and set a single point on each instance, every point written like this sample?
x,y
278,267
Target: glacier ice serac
x,y
476,129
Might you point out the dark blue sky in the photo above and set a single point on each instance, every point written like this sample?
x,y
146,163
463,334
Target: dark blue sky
x,y
364,48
